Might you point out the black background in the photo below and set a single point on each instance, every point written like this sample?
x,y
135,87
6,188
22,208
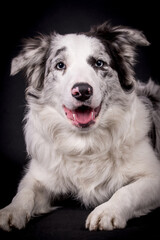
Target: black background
x,y
27,18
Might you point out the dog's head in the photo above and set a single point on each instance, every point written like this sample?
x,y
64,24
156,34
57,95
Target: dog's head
x,y
81,75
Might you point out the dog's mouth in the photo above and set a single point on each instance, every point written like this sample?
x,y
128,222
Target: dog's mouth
x,y
83,116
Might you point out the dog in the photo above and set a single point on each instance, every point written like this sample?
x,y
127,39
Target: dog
x,y
91,129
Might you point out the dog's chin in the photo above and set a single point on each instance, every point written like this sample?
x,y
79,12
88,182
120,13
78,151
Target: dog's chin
x,y
83,117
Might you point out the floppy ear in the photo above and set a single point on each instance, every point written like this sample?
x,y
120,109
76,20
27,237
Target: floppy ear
x,y
32,58
121,43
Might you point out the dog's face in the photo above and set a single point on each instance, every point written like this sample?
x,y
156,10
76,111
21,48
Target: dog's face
x,y
75,78
81,75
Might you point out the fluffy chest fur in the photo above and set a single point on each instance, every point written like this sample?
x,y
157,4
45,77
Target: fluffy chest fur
x,y
91,166
92,178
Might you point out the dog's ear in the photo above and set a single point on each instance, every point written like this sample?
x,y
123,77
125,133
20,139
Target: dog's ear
x,y
121,42
32,59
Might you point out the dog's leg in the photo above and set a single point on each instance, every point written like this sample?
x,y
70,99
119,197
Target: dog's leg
x,y
32,198
132,200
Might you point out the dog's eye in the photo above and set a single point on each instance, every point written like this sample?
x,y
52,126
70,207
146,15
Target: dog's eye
x,y
99,63
60,66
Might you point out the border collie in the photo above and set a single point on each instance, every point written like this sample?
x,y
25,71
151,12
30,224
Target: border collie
x,y
91,129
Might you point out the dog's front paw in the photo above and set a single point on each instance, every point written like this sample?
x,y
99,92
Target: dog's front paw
x,y
105,217
13,217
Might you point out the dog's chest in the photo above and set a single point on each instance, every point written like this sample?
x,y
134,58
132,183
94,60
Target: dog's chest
x,y
93,179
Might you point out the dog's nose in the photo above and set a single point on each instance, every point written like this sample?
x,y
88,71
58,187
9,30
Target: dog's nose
x,y
82,91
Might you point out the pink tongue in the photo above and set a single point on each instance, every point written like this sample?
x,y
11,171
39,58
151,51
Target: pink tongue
x,y
83,117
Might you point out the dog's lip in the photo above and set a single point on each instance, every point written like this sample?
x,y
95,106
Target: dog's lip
x,y
82,116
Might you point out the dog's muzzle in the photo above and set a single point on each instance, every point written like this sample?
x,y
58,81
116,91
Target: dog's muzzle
x,y
83,116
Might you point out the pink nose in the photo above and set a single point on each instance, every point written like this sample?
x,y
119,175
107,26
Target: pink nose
x,y
75,91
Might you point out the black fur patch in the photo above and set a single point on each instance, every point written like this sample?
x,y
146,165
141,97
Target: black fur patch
x,y
32,95
104,72
60,51
116,41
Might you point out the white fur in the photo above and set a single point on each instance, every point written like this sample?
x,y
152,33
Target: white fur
x,y
110,166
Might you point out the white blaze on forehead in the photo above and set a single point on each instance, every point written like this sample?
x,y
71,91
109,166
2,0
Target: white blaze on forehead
x,y
79,46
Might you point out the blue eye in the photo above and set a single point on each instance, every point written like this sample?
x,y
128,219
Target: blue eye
x,y
60,66
99,63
